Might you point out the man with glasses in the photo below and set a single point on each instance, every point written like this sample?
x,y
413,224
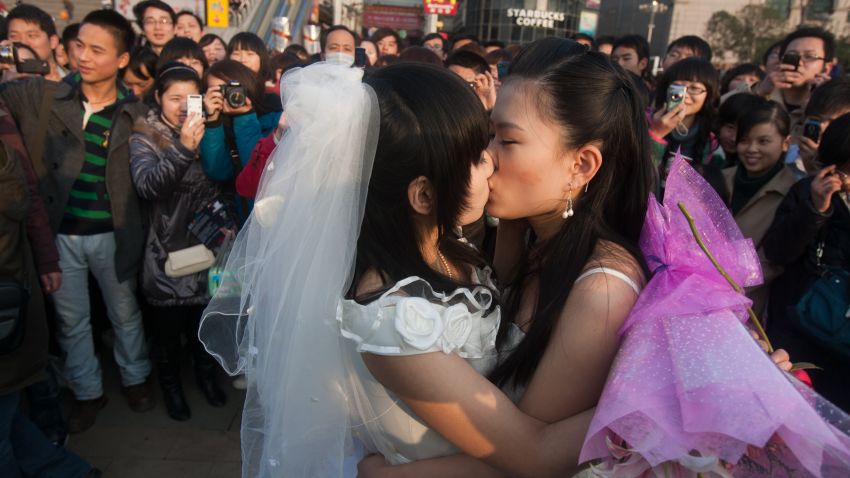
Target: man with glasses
x,y
157,20
436,43
791,85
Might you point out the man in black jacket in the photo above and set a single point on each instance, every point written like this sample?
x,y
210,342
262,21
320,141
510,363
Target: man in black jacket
x,y
84,178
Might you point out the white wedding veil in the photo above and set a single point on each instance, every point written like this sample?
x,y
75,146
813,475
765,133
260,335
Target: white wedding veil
x,y
274,316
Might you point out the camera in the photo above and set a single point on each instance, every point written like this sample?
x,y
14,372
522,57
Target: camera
x,y
811,130
792,59
503,68
9,56
360,60
234,94
675,96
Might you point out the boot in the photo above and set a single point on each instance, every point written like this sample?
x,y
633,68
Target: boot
x,y
205,370
172,390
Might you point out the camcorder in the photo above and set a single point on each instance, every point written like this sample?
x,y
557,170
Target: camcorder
x,y
9,56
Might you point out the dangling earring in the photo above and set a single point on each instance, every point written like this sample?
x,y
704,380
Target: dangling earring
x,y
586,185
568,212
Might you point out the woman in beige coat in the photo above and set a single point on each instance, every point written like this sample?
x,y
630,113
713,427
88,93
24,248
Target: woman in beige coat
x,y
758,184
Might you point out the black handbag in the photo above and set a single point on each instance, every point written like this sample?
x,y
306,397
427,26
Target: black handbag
x,y
823,312
14,298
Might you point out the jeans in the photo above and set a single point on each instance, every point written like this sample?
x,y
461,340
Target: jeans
x,y
45,408
78,255
23,448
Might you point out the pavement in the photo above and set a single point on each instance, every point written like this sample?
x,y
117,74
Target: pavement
x,y
125,444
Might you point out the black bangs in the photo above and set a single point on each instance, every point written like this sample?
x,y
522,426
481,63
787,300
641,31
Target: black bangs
x,y
694,69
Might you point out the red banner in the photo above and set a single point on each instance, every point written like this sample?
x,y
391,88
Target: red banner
x,y
397,18
441,7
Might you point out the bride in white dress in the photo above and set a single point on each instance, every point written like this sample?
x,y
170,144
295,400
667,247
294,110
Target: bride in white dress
x,y
349,259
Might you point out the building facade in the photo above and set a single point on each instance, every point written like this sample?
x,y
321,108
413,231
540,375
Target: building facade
x,y
690,17
523,21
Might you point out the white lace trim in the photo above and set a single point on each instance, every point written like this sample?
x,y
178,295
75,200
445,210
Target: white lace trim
x,y
405,323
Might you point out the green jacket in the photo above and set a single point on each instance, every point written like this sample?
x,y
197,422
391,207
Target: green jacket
x,y
64,152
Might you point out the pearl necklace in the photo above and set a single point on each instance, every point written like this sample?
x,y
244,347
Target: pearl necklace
x,y
445,265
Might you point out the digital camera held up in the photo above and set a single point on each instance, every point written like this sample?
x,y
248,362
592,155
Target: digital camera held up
x,y
234,93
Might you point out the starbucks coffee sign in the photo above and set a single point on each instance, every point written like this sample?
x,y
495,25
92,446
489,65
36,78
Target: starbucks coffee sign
x,y
535,18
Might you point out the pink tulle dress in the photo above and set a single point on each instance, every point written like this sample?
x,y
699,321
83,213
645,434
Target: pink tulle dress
x,y
690,392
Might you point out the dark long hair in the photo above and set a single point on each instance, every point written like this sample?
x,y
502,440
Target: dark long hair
x,y
694,69
250,41
592,100
432,125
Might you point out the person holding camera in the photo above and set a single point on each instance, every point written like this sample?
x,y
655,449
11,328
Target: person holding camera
x,y
685,107
169,178
807,56
35,28
233,122
810,237
827,103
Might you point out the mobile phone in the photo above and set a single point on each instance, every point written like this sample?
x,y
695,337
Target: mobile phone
x,y
792,59
195,106
811,130
360,57
502,68
675,96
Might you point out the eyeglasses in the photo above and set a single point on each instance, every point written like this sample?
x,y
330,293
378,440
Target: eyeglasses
x,y
154,21
809,57
695,90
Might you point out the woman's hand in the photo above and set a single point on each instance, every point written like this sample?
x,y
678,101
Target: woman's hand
x,y
213,103
780,357
808,152
373,466
192,132
663,121
229,110
485,87
824,185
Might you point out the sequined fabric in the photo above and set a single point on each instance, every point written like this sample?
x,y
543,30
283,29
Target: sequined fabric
x,y
688,378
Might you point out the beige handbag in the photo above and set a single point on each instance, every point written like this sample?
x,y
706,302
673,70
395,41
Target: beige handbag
x,y
189,261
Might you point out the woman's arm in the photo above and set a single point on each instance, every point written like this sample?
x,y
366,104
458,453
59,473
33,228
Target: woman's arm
x,y
247,132
564,390
472,413
215,154
156,173
584,342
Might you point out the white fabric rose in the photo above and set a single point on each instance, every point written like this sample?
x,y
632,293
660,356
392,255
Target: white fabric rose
x,y
458,325
418,322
